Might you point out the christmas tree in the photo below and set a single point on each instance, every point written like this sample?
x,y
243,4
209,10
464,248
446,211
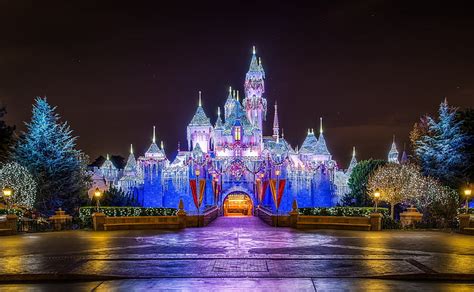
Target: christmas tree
x,y
47,150
441,150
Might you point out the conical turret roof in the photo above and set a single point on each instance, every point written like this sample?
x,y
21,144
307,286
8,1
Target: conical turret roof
x,y
353,162
131,165
321,147
200,118
309,143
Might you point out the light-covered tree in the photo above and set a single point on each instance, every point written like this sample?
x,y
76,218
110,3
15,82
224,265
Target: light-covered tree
x,y
48,150
358,183
395,182
21,181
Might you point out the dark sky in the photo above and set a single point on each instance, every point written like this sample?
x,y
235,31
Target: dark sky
x,y
370,68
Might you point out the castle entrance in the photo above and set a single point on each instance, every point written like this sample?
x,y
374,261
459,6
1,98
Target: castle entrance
x,y
238,204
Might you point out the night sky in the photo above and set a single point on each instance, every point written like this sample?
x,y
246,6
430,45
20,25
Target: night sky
x,y
370,68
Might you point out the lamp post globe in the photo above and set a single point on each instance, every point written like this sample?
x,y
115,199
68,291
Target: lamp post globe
x,y
7,193
97,195
467,193
376,198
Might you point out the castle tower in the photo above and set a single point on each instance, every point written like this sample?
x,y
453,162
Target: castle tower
x,y
353,162
199,129
276,126
254,103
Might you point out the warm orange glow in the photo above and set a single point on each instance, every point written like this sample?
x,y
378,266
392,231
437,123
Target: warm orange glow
x,y
7,192
97,193
238,205
467,192
376,194
277,172
198,172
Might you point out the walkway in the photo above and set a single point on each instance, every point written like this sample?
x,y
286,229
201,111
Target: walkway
x,y
236,248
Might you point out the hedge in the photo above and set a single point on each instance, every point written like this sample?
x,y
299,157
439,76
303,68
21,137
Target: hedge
x,y
85,213
17,212
342,211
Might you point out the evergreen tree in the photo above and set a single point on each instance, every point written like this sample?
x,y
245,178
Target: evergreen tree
x,y
6,137
47,150
115,197
467,118
358,183
441,150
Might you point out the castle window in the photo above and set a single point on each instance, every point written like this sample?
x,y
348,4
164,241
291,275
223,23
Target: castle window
x,y
237,133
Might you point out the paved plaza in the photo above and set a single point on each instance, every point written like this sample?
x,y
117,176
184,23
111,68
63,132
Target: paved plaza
x,y
238,250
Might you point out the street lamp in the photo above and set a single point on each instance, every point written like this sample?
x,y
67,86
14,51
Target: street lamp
x,y
467,193
376,198
7,193
97,195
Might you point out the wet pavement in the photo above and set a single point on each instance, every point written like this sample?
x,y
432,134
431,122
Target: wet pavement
x,y
238,248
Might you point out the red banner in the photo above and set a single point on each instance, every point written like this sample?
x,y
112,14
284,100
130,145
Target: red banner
x,y
277,195
281,187
262,187
192,184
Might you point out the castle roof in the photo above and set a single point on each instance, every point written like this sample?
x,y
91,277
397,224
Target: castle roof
x,y
200,118
309,143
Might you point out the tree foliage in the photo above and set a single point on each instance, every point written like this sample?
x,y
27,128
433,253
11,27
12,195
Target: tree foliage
x,y
7,139
115,197
47,150
440,149
21,181
395,182
358,183
467,118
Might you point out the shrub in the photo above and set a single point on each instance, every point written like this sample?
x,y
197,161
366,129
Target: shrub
x,y
85,213
342,211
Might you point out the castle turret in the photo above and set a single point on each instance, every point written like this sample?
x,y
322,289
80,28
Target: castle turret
x,y
321,149
393,153
254,103
353,162
276,126
199,129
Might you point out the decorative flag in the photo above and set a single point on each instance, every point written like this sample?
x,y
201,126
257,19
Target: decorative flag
x,y
202,187
281,187
273,190
262,187
192,184
277,194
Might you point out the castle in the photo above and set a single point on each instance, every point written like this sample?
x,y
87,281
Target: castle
x,y
232,164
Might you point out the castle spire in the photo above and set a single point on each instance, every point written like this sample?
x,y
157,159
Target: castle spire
x,y
254,51
131,149
237,96
320,125
108,158
276,126
200,101
154,136
393,153
162,146
353,162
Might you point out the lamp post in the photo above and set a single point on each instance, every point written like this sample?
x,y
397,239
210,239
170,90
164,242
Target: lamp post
x,y
97,195
7,193
467,193
376,198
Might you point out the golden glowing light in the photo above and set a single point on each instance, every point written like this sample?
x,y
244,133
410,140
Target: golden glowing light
x,y
97,193
467,192
7,192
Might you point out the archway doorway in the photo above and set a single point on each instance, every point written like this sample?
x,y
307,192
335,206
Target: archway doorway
x,y
238,205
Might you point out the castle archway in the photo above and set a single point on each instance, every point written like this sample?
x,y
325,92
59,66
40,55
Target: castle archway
x,y
238,204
